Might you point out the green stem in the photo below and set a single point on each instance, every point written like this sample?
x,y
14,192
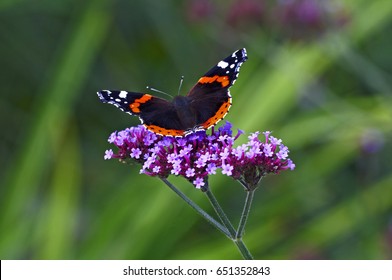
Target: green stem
x,y
227,228
237,241
219,211
197,208
242,182
243,249
245,213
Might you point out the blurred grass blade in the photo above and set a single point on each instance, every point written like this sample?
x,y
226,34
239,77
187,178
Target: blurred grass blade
x,y
59,215
51,113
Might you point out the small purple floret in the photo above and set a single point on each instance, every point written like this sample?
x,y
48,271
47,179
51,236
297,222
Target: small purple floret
x,y
108,154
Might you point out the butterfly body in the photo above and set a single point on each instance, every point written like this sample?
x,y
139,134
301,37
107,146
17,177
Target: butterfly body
x,y
206,103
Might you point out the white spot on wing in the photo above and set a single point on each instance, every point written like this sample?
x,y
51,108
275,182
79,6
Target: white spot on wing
x,y
123,94
223,64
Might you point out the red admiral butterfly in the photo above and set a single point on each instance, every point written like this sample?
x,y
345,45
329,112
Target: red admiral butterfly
x,y
205,105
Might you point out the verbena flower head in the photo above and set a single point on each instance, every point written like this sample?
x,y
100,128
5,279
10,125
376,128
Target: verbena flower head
x,y
199,155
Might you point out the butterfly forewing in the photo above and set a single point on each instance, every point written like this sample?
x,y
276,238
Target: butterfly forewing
x,y
211,96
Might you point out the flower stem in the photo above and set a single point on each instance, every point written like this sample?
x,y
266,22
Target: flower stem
x,y
243,249
219,211
245,213
233,235
197,208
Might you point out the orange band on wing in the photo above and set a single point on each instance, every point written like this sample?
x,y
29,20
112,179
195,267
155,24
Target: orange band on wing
x,y
224,108
224,80
163,131
134,106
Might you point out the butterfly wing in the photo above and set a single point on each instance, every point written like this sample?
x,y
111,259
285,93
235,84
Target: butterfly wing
x,y
156,114
206,103
210,97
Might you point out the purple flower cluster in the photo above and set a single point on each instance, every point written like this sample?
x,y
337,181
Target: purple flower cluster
x,y
295,19
199,155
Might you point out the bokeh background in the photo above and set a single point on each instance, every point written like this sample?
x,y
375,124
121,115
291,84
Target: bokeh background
x,y
318,76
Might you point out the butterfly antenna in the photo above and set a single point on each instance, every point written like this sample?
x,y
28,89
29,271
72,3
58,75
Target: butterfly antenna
x,y
157,90
179,87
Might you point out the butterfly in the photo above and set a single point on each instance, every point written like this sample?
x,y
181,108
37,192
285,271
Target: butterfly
x,y
207,102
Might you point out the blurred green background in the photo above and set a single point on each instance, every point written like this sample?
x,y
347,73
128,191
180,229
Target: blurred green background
x,y
318,76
